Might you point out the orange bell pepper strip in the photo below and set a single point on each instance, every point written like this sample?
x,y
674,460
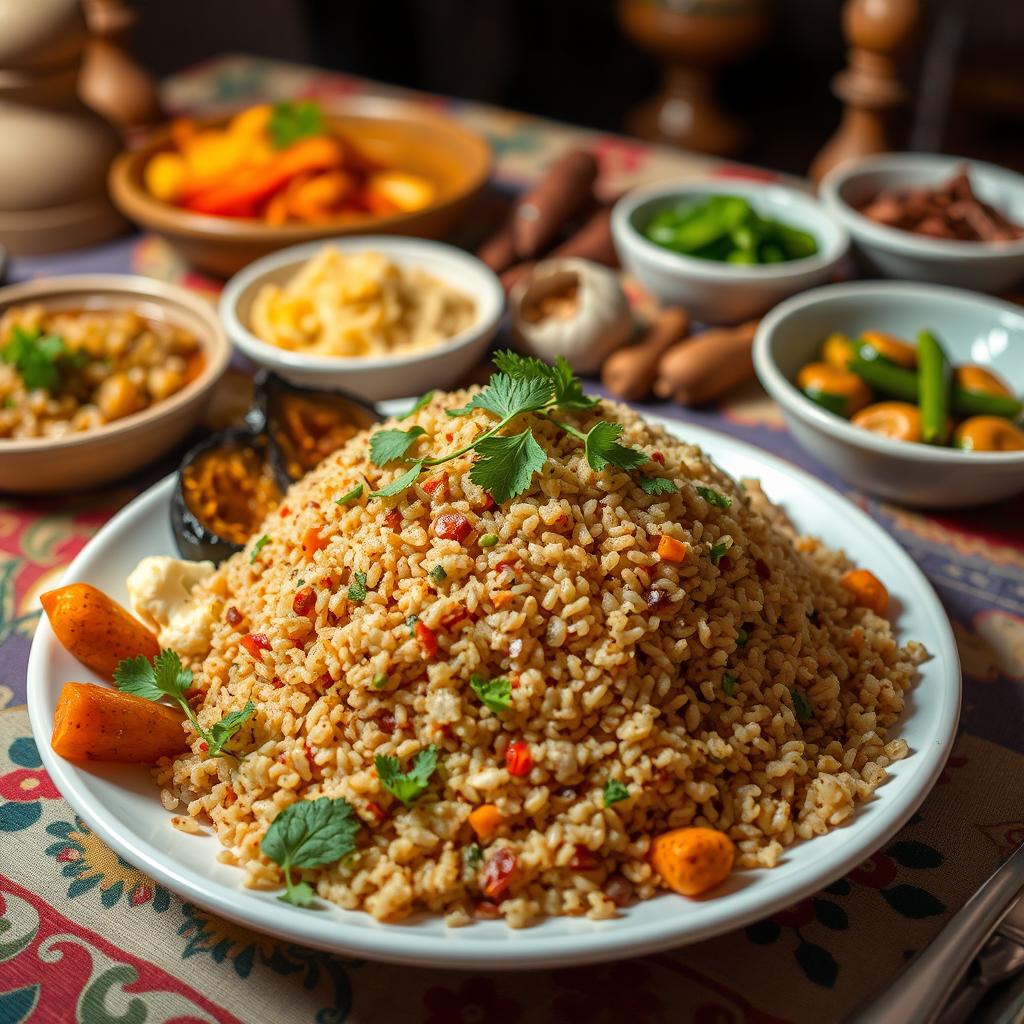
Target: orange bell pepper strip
x,y
243,192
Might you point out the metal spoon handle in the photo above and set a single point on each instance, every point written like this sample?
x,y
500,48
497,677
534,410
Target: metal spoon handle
x,y
921,991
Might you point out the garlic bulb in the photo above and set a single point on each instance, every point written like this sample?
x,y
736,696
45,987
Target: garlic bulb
x,y
571,308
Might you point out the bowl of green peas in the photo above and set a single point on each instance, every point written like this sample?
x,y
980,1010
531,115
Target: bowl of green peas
x,y
909,391
727,250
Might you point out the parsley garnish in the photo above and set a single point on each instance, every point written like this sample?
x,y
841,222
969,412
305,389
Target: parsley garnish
x,y
357,588
437,574
258,547
309,834
41,359
354,495
801,705
728,684
165,676
658,485
421,402
407,786
741,637
411,621
718,550
505,464
474,856
390,445
495,694
290,122
614,791
713,497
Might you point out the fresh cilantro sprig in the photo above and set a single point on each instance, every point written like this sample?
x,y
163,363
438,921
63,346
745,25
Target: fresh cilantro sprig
x,y
41,360
614,791
309,834
422,402
495,694
290,121
658,485
357,590
505,464
713,497
349,496
407,786
165,676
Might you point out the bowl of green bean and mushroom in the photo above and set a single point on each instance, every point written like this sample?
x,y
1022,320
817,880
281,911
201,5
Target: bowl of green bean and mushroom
x,y
912,392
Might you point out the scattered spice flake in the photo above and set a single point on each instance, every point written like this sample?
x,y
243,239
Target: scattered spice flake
x,y
233,616
255,643
393,519
427,638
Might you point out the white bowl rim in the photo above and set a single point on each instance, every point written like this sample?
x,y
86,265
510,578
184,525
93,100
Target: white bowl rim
x,y
146,289
486,291
784,391
525,950
906,242
833,238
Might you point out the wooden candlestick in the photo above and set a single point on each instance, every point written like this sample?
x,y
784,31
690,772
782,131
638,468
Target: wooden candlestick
x,y
693,42
878,32
54,151
113,82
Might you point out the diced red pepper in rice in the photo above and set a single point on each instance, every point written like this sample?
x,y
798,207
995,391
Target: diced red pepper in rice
x,y
498,873
518,759
255,644
304,600
584,859
453,526
427,638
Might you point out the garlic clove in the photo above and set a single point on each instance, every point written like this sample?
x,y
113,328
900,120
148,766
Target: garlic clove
x,y
572,308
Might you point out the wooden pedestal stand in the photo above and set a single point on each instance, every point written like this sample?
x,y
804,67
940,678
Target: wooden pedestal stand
x,y
879,32
693,42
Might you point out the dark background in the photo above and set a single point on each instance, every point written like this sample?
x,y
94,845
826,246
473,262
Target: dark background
x,y
568,60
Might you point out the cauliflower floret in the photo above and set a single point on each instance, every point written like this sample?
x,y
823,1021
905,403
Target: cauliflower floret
x,y
163,595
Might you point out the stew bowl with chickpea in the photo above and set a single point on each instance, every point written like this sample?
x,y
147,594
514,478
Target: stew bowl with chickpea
x,y
911,392
99,375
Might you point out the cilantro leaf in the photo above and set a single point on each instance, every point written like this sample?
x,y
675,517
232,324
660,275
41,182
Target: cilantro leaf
x,y
40,359
390,445
713,497
226,728
309,834
728,684
410,621
614,791
357,588
407,786
658,485
164,677
399,484
258,547
495,694
567,390
603,448
437,574
349,496
801,705
421,402
474,856
718,550
506,464
507,396
291,121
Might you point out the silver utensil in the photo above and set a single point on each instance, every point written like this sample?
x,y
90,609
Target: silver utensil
x,y
921,991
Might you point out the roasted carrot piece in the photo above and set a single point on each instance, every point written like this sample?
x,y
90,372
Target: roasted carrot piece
x,y
96,723
312,542
867,589
670,549
95,628
485,820
692,860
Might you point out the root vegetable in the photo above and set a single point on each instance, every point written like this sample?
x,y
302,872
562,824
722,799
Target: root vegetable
x,y
692,860
564,192
593,241
629,373
704,367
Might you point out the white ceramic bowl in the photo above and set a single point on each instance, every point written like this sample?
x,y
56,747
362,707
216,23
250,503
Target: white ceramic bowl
x,y
972,329
375,378
724,292
983,266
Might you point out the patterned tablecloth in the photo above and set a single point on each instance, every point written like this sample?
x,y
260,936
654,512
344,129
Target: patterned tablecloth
x,y
84,936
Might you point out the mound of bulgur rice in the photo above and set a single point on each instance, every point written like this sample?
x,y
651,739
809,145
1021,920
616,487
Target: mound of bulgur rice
x,y
739,688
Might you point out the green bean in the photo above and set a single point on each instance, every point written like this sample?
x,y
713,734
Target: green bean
x,y
933,380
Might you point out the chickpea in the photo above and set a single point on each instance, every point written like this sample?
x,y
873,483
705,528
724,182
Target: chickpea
x,y
162,381
119,396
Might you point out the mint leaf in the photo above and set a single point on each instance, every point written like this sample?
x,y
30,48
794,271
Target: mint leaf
x,y
420,403
354,495
225,729
603,448
291,121
506,464
614,791
713,497
390,445
407,786
495,694
657,485
399,484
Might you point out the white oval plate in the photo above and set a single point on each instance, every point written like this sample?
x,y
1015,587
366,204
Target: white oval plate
x,y
121,804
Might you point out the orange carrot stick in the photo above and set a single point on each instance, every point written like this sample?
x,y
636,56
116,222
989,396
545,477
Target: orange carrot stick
x,y
95,628
95,723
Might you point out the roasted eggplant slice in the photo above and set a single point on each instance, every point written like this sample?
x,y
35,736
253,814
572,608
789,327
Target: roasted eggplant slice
x,y
305,425
225,488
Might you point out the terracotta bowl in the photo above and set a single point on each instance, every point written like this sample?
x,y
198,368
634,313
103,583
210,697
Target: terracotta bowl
x,y
454,159
91,457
